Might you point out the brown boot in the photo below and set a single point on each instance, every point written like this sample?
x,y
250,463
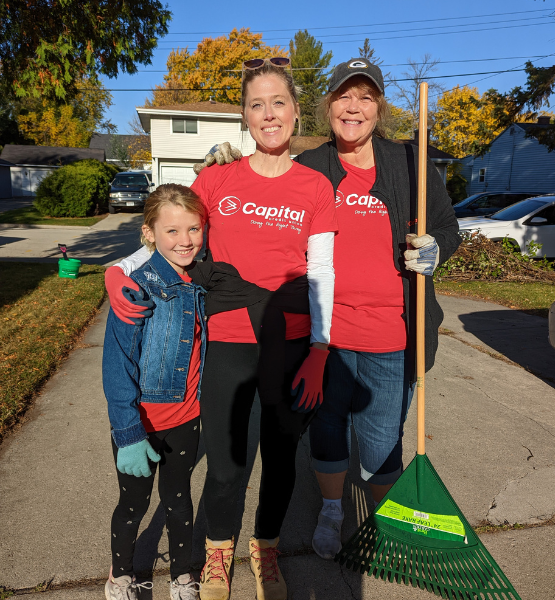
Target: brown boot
x,y
269,580
214,579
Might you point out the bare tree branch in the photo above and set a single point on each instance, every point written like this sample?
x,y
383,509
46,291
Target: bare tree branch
x,y
407,92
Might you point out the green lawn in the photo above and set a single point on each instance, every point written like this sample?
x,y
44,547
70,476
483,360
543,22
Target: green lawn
x,y
532,298
29,215
41,317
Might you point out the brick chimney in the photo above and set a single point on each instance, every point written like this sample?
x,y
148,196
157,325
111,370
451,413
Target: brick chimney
x,y
544,120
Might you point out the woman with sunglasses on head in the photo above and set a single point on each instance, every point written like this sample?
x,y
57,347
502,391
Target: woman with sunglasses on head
x,y
274,220
371,362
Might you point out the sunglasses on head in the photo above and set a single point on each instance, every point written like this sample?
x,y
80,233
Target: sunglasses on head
x,y
277,61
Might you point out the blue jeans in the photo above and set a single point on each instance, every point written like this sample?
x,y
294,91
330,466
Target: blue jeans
x,y
372,392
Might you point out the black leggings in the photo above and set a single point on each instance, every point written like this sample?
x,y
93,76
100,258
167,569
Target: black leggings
x,y
228,390
178,448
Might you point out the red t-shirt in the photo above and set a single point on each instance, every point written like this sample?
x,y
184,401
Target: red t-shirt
x,y
159,416
368,301
261,226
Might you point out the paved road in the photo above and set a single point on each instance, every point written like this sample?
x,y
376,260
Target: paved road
x,y
104,243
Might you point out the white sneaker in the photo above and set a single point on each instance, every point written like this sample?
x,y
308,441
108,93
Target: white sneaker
x,y
184,588
326,540
124,587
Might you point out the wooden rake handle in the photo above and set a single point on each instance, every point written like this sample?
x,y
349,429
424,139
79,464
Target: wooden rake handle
x,y
420,279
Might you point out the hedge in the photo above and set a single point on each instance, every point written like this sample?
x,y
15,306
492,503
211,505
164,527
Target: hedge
x,y
80,189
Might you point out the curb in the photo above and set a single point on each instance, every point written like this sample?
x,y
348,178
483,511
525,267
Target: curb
x,y
30,226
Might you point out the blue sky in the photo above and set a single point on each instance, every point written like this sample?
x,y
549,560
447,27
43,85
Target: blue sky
x,y
511,30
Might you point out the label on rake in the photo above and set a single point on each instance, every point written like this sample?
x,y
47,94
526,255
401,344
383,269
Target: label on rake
x,y
443,527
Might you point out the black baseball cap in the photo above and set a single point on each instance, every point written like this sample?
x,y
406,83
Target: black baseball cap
x,y
355,66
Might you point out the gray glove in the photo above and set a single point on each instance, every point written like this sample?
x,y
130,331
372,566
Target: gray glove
x,y
223,154
422,255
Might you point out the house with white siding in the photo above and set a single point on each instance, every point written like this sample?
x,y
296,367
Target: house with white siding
x,y
182,135
513,163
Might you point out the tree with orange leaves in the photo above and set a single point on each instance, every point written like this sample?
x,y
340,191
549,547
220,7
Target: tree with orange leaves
x,y
213,70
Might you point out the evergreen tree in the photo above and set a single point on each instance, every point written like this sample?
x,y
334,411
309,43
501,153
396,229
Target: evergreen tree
x,y
309,72
368,53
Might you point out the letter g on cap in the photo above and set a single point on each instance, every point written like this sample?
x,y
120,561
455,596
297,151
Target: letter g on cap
x,y
358,64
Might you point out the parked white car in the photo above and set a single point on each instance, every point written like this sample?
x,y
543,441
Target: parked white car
x,y
531,220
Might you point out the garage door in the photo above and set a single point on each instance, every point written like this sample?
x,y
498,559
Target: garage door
x,y
35,177
181,175
25,180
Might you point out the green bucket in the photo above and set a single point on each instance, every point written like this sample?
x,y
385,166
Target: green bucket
x,y
68,268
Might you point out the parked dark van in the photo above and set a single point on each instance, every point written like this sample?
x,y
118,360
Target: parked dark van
x,y
130,189
487,203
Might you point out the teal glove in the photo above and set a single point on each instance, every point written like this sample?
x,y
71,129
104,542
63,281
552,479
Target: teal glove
x,y
133,460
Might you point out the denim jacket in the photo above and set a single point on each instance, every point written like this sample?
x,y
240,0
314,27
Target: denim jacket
x,y
149,362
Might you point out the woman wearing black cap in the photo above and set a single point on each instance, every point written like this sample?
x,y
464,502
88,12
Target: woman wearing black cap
x,y
371,361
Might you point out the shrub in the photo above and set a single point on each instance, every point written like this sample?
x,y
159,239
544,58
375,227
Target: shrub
x,y
76,190
481,258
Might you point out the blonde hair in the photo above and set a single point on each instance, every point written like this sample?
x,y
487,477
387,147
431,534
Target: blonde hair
x,y
282,73
170,193
363,85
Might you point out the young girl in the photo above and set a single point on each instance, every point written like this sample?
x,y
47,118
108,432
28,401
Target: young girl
x,y
151,375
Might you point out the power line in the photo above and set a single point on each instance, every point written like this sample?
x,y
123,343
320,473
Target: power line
x,y
395,37
442,33
446,62
517,68
521,12
411,29
238,88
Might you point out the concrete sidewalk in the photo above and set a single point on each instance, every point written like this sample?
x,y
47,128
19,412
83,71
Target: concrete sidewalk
x,y
491,437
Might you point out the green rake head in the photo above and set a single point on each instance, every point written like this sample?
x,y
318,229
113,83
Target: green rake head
x,y
418,536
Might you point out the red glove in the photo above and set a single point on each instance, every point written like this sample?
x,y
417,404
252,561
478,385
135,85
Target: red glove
x,y
311,373
116,283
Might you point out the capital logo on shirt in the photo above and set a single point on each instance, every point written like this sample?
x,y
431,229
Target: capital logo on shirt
x,y
229,205
339,198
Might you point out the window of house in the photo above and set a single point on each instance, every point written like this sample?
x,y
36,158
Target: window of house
x,y
184,126
482,175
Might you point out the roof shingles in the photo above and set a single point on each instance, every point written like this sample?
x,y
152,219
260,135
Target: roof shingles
x,y
206,107
105,141
48,155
